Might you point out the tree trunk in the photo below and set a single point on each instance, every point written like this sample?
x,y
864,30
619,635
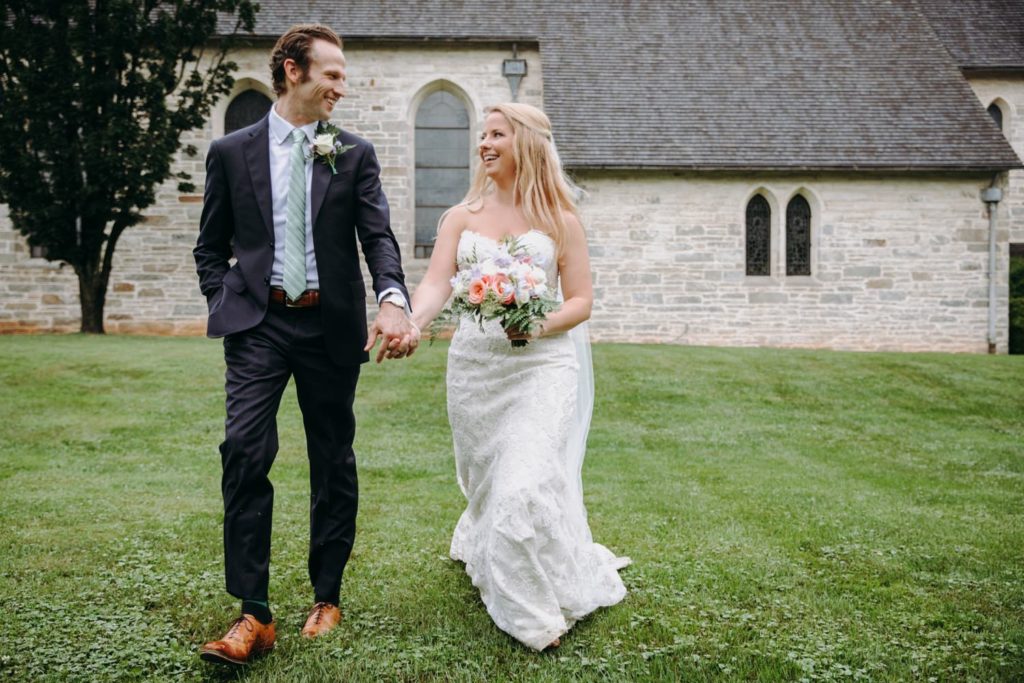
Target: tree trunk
x,y
93,279
92,294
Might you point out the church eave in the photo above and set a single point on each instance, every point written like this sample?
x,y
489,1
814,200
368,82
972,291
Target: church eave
x,y
810,168
998,71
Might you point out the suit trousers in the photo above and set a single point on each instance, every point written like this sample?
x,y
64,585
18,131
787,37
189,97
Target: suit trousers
x,y
288,342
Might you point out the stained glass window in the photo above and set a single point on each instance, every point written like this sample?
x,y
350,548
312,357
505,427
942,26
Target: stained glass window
x,y
246,109
798,237
759,236
442,163
997,114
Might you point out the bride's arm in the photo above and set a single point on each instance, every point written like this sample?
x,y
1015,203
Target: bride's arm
x,y
577,289
435,288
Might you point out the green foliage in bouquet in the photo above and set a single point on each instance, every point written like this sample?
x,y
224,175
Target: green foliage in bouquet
x,y
505,286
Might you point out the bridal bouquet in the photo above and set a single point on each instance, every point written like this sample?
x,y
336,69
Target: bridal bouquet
x,y
506,285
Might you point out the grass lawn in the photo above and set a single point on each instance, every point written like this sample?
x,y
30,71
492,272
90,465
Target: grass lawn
x,y
791,515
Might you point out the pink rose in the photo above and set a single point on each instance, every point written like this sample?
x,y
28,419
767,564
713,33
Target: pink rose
x,y
477,291
502,286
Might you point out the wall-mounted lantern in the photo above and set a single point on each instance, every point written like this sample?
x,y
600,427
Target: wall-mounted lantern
x,y
514,70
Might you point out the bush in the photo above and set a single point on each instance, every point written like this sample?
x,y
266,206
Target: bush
x,y
1017,302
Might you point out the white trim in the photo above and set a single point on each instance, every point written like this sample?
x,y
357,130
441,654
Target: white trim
x,y
773,237
221,108
474,113
815,205
1008,112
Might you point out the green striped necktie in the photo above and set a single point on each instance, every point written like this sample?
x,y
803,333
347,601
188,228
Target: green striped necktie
x,y
295,223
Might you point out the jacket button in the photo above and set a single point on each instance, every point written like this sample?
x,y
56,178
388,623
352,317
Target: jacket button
x,y
266,280
270,244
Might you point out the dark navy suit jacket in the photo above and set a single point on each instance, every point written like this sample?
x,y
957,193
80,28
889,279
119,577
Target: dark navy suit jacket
x,y
237,220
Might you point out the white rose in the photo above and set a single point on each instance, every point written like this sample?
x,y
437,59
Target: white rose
x,y
323,144
488,267
458,286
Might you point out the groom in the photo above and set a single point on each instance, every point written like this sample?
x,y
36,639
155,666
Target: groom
x,y
294,304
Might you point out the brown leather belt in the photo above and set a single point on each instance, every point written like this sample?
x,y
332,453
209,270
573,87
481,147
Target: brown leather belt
x,y
308,299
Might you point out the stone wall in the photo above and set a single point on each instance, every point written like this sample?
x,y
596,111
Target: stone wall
x,y
899,262
153,286
1008,93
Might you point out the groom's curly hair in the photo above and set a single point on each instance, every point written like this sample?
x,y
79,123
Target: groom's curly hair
x,y
297,44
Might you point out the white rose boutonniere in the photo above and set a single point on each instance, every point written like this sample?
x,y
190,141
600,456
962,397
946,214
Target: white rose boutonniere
x,y
323,144
326,147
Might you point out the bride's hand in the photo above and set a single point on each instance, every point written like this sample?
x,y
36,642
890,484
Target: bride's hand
x,y
535,333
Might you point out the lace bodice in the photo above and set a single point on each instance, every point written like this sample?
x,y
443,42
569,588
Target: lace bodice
x,y
540,246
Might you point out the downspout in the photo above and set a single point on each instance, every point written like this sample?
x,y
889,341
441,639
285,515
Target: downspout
x,y
992,196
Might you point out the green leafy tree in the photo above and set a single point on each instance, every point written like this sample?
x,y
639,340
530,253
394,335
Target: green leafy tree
x,y
94,98
1017,303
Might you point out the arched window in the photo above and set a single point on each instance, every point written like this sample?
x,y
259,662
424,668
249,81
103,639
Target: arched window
x,y
246,109
442,163
798,237
759,236
996,113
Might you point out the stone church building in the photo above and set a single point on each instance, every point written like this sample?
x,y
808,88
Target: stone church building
x,y
808,173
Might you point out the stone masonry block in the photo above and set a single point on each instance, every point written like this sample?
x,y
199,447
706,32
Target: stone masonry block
x,y
767,297
862,271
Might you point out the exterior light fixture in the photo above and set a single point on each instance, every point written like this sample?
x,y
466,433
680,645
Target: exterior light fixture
x,y
514,70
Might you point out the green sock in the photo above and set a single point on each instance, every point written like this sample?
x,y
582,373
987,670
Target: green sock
x,y
259,609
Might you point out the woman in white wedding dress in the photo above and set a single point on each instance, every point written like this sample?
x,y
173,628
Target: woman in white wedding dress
x,y
520,415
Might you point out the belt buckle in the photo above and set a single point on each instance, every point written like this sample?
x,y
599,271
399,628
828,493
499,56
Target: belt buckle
x,y
289,303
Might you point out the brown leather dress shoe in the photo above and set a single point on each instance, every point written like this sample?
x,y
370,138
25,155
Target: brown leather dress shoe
x,y
322,618
245,640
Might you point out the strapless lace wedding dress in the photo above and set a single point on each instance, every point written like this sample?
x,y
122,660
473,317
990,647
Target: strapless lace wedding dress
x,y
519,418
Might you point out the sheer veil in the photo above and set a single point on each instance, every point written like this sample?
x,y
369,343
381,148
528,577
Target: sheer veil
x,y
576,446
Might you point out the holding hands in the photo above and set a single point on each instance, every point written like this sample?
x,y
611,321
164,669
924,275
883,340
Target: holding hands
x,y
400,335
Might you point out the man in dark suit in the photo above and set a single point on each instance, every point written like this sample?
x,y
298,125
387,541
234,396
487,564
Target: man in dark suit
x,y
288,197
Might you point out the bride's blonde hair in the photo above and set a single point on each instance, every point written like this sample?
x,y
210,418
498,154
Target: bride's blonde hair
x,y
542,188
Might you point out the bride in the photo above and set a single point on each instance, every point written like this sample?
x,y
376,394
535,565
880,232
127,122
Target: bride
x,y
519,416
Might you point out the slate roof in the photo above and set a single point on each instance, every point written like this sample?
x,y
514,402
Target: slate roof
x,y
720,84
984,35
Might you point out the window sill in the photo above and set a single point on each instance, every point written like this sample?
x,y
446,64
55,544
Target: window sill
x,y
780,280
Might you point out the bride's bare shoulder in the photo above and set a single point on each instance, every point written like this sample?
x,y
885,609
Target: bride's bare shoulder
x,y
454,220
479,216
572,221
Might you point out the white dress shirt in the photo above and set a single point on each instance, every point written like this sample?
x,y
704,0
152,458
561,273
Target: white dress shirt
x,y
280,142
280,155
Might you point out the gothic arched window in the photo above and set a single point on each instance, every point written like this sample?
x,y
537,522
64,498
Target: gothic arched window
x,y
798,237
996,113
442,163
759,236
247,108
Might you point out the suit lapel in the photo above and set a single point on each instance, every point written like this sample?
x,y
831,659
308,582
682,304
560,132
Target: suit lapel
x,y
257,158
321,179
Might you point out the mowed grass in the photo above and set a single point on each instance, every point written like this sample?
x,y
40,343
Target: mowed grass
x,y
792,515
